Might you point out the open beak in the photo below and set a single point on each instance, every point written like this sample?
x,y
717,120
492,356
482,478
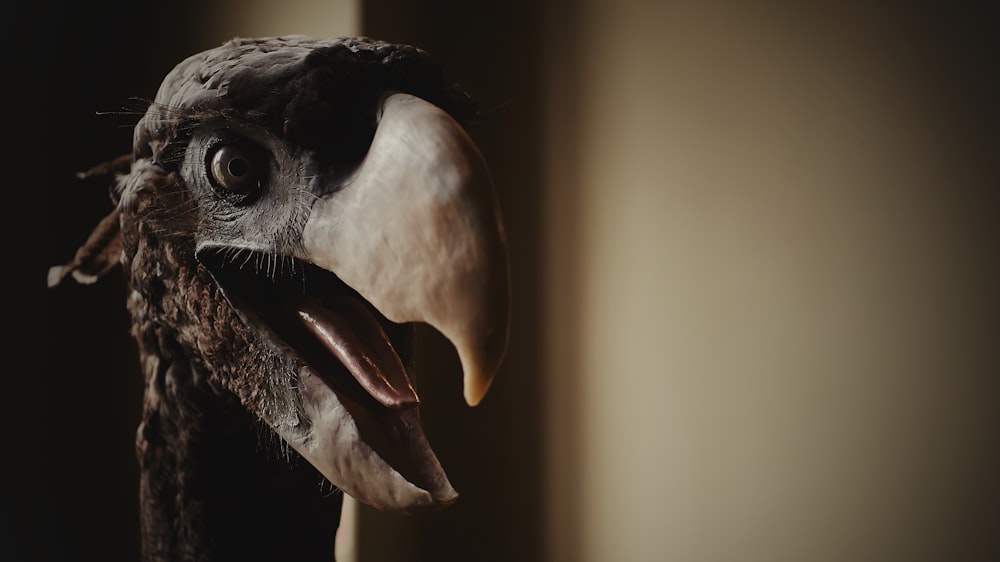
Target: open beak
x,y
417,234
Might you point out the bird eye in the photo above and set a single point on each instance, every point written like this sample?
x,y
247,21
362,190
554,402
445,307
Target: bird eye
x,y
235,169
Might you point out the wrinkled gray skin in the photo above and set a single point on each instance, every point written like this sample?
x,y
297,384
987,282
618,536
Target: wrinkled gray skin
x,y
289,207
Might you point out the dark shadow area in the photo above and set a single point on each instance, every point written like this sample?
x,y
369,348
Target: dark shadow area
x,y
70,482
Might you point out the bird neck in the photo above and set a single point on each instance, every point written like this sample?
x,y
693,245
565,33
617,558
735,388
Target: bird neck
x,y
213,486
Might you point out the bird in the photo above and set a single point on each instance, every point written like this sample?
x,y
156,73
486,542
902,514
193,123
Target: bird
x,y
291,209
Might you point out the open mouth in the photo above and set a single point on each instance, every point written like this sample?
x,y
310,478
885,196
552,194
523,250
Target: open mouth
x,y
359,354
414,236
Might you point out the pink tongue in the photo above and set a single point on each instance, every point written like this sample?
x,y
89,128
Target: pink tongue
x,y
353,335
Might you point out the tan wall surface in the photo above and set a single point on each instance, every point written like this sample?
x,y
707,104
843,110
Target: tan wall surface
x,y
773,284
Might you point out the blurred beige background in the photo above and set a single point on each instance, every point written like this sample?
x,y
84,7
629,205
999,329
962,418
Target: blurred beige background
x,y
773,287
755,252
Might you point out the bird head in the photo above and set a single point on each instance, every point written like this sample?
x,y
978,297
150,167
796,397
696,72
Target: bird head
x,y
291,207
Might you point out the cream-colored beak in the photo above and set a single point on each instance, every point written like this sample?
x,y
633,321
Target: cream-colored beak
x,y
417,233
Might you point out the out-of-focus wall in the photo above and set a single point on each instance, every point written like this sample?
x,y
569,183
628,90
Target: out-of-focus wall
x,y
256,18
772,282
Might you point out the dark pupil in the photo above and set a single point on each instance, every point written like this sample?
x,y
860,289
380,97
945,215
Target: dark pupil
x,y
238,167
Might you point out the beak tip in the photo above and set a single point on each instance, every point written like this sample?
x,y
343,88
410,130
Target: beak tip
x,y
476,384
473,396
481,353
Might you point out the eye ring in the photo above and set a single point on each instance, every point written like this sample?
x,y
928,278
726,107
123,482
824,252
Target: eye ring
x,y
235,170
